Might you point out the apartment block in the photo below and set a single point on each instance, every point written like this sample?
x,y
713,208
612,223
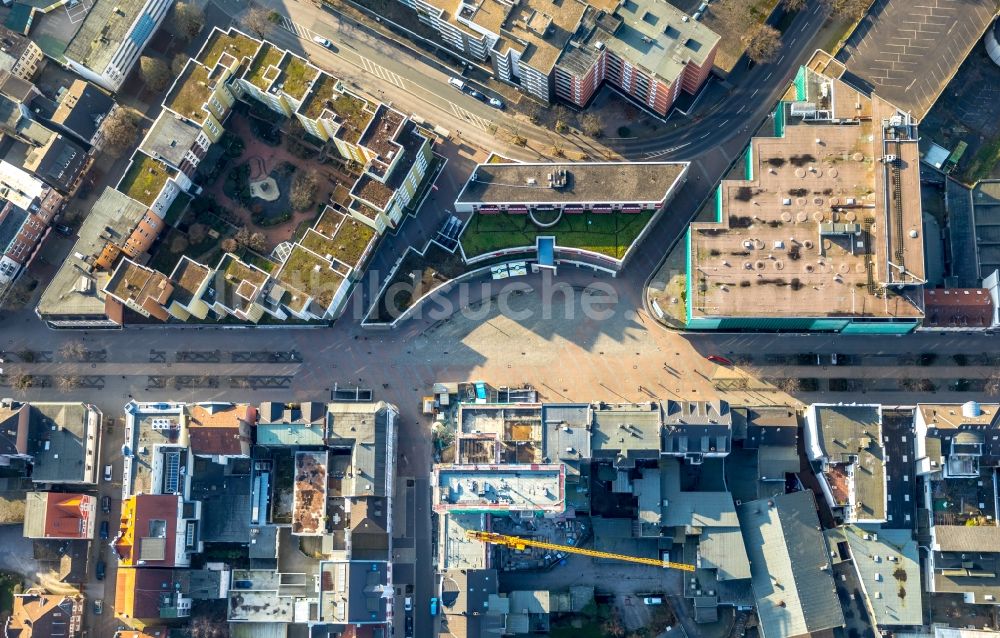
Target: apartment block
x,y
317,272
111,37
824,231
27,208
278,78
19,55
648,50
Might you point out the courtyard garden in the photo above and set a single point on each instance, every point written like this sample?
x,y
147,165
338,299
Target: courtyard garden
x,y
608,234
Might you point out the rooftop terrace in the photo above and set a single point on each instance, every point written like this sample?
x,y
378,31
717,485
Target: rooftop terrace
x,y
849,439
145,178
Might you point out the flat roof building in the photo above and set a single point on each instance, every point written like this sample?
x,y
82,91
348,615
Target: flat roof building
x,y
789,566
499,187
825,225
846,442
111,37
75,297
499,488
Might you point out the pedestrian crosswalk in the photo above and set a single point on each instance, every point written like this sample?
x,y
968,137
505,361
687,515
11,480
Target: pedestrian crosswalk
x,y
385,74
472,118
382,72
297,29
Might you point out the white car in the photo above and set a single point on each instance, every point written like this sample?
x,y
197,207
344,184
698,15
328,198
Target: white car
x,y
323,42
408,604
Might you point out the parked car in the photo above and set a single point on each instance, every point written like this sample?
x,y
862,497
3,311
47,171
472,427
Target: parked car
x,y
408,604
106,504
107,472
98,607
476,94
496,103
434,606
458,84
104,530
63,229
409,626
100,570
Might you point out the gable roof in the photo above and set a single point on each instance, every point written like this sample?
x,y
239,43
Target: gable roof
x,y
789,566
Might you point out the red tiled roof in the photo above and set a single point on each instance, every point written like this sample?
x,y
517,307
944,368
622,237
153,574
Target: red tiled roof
x,y
66,515
137,528
958,308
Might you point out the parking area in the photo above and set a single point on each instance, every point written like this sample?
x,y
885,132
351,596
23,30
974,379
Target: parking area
x,y
908,51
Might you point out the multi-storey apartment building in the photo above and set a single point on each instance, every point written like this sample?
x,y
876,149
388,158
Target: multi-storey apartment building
x,y
647,50
111,38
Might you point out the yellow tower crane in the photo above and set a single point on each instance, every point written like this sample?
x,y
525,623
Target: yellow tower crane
x,y
518,543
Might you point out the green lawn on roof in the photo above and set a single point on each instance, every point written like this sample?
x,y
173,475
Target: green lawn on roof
x,y
608,234
145,179
298,75
322,91
191,94
239,47
351,240
270,57
312,275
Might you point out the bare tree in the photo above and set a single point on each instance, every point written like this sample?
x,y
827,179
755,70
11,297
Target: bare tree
x,y
849,9
793,5
22,382
532,111
258,21
564,119
187,20
178,63
992,387
121,130
73,350
763,43
229,245
66,383
303,192
592,125
154,72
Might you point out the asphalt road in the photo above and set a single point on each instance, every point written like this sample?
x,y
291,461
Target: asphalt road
x,y
570,359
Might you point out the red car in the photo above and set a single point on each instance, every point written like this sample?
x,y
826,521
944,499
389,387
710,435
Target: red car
x,y
722,361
